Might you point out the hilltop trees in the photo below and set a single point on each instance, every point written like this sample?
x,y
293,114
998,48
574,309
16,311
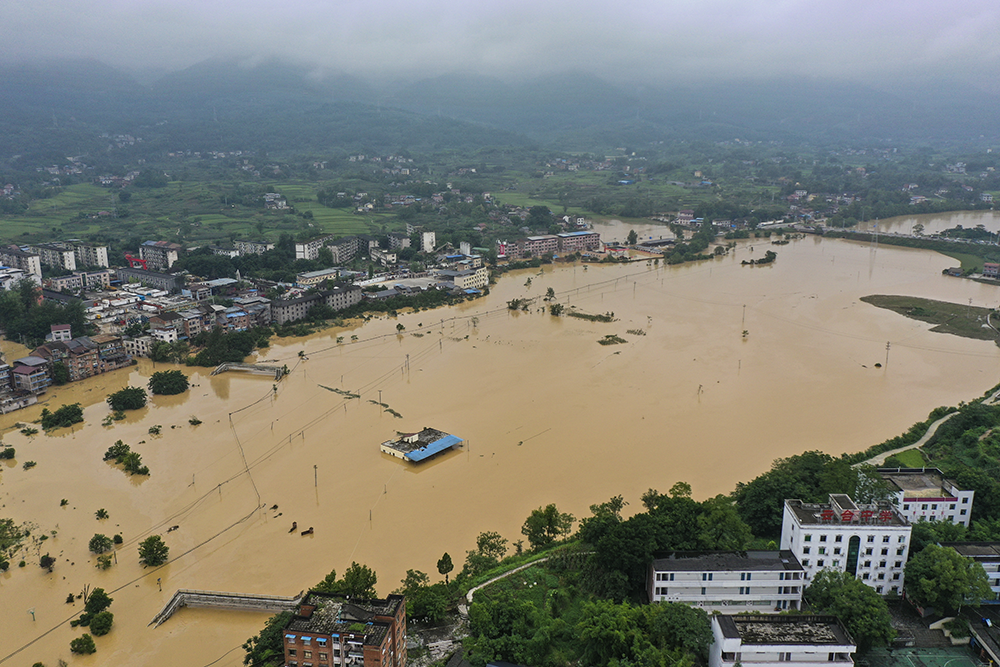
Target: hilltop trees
x,y
359,581
545,525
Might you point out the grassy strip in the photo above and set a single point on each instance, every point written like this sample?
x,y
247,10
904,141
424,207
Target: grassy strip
x,y
912,458
511,563
953,318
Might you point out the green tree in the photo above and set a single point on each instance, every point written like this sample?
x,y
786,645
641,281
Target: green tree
x,y
129,398
83,644
168,382
359,581
60,373
444,566
101,623
153,551
633,238
862,610
267,648
545,525
97,601
942,578
100,543
492,545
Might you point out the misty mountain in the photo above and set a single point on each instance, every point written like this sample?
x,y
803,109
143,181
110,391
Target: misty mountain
x,y
281,107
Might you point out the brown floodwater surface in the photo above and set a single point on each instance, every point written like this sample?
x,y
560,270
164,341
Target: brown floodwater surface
x,y
548,415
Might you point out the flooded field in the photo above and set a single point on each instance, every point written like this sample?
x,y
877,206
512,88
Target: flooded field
x,y
548,415
936,222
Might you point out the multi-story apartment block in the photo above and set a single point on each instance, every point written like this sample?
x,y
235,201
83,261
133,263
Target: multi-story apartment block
x,y
310,249
398,241
111,352
139,347
91,255
345,249
329,630
10,276
730,581
160,255
223,251
536,246
789,641
71,283
571,242
31,375
986,554
383,257
428,241
870,542
246,247
310,278
468,279
165,281
923,494
337,298
55,255
15,258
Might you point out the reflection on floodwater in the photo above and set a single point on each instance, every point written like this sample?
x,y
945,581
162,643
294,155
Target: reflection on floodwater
x,y
548,415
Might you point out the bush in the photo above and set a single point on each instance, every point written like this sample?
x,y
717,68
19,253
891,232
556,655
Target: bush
x,y
117,539
7,453
129,398
168,382
83,644
100,543
97,602
101,623
47,562
28,465
117,452
67,415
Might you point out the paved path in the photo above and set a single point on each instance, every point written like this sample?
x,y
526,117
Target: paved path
x,y
463,609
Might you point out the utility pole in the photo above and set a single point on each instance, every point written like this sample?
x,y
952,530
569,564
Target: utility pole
x,y
315,475
887,354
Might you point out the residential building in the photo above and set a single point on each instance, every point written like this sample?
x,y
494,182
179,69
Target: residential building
x,y
258,309
160,255
536,246
468,279
86,356
10,276
167,326
986,554
792,641
91,255
246,247
31,375
60,332
730,581
991,270
310,249
165,281
111,352
383,257
337,297
55,255
15,258
923,494
428,241
870,542
310,278
571,242
138,347
398,241
344,249
71,283
330,630
223,251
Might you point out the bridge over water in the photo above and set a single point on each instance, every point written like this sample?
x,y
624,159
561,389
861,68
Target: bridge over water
x,y
277,372
219,600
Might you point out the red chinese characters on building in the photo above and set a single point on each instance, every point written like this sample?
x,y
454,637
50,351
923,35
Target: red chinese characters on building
x,y
866,515
885,516
827,515
847,516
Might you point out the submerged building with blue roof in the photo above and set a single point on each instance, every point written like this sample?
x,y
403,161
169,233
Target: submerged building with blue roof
x,y
417,447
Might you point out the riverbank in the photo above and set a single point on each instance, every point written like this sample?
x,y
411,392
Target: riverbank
x,y
952,318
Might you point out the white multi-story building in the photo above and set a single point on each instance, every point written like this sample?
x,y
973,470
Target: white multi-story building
x,y
310,249
160,255
870,542
55,255
986,554
92,255
730,581
247,247
788,641
923,494
428,241
15,258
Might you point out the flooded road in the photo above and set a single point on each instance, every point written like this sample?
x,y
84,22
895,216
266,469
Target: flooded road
x,y
548,415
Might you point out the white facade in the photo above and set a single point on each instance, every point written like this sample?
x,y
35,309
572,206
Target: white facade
x,y
732,582
923,494
779,641
96,255
428,241
310,249
870,542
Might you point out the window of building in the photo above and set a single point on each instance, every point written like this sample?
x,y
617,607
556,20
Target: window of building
x,y
289,639
881,563
805,562
306,641
805,550
952,506
307,654
885,538
836,563
871,538
822,550
885,552
902,539
706,576
895,577
820,562
868,551
898,563
838,538
702,590
878,589
807,537
865,576
963,512
836,550
822,538
906,507
868,563
924,506
784,657
291,652
322,657
899,551
965,500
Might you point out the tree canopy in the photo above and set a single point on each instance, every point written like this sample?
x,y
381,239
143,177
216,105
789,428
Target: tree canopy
x,y
168,382
153,551
942,578
128,398
862,610
545,525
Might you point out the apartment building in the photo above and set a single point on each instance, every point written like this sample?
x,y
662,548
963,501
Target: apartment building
x,y
246,247
986,554
160,255
14,257
571,242
55,255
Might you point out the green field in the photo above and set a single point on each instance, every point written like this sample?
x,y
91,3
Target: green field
x,y
912,458
953,318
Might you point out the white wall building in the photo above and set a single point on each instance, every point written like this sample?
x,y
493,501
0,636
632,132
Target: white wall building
x,y
779,641
428,241
923,494
728,581
870,542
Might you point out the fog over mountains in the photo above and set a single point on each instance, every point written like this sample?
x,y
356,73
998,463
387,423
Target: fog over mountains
x,y
274,105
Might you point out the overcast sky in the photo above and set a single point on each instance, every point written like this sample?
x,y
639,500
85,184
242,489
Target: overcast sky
x,y
635,40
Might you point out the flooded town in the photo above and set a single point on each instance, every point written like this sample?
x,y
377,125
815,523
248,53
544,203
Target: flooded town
x,y
723,368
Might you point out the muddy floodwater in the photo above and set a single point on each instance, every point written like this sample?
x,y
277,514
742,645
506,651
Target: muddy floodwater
x,y
548,415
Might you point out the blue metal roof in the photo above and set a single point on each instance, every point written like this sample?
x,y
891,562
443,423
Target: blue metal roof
x,y
433,448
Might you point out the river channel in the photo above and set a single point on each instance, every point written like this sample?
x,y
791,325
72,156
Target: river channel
x,y
547,414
